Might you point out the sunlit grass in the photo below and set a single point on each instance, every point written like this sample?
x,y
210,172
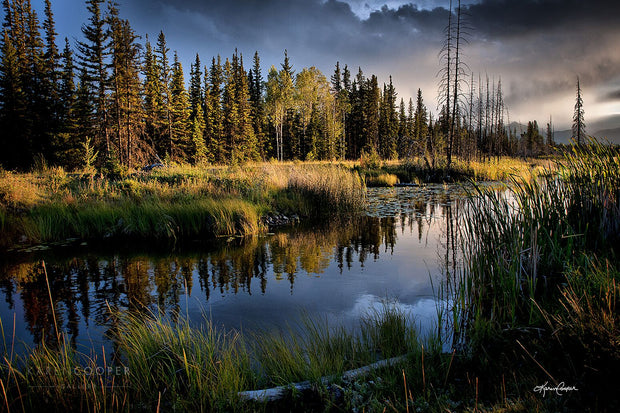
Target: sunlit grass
x,y
382,179
172,202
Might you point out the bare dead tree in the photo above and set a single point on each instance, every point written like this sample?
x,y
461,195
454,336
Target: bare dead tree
x,y
452,75
445,72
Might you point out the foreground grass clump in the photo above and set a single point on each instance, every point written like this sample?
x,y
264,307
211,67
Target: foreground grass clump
x,y
57,378
165,364
170,203
538,293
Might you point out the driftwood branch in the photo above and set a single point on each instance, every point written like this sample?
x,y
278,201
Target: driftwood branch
x,y
276,393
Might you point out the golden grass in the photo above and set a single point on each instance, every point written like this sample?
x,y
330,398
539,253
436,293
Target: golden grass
x,y
171,202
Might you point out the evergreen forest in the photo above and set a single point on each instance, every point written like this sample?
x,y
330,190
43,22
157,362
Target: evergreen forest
x,y
114,97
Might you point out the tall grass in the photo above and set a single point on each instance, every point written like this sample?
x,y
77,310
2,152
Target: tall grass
x,y
150,218
163,363
381,179
539,283
517,248
183,367
171,203
56,377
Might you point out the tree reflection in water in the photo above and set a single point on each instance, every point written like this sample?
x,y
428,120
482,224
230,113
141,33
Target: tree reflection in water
x,y
84,286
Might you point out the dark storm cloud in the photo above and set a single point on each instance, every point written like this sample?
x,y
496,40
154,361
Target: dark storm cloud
x,y
331,28
407,19
245,20
538,47
514,18
612,96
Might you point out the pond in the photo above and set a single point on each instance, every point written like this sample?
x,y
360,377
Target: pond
x,y
336,271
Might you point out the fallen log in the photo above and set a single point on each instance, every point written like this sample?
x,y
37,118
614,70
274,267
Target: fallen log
x,y
276,393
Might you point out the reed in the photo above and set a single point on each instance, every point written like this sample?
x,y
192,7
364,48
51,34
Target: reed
x,y
56,377
308,351
517,247
538,284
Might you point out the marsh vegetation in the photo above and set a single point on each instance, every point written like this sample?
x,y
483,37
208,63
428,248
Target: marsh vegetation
x,y
529,297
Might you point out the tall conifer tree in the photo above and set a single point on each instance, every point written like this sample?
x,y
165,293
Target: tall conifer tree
x,y
154,113
126,95
179,113
93,54
579,125
164,87
215,117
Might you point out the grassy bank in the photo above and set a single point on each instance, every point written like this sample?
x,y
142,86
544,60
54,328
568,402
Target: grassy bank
x,y
181,202
418,171
170,203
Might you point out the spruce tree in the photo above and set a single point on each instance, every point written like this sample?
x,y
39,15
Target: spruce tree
x,y
164,87
245,128
93,54
36,86
126,67
27,115
255,80
229,112
549,138
357,120
13,109
50,69
198,145
344,107
195,88
179,113
153,103
67,143
207,116
286,65
198,150
215,117
388,123
420,122
579,125
372,97
403,137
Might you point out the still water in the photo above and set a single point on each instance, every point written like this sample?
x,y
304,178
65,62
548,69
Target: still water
x,y
336,271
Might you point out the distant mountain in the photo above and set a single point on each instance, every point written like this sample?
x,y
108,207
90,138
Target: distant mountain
x,y
609,122
518,127
562,136
612,135
606,129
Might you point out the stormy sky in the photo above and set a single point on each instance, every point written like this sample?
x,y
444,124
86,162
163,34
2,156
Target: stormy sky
x,y
536,47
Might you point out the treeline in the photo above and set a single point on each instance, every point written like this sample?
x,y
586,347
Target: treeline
x,y
111,99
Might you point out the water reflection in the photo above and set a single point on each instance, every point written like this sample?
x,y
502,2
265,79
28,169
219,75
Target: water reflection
x,y
334,270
